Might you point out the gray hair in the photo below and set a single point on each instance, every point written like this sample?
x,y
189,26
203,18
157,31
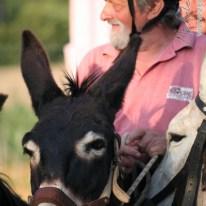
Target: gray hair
x,y
171,19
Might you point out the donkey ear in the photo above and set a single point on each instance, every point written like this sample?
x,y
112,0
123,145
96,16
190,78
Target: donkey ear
x,y
3,98
36,73
110,88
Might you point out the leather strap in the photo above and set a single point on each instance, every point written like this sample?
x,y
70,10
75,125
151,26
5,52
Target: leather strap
x,y
200,104
118,192
99,202
204,172
132,12
57,197
170,188
194,165
51,195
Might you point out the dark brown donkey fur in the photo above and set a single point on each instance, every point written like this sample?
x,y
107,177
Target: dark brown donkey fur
x,y
73,140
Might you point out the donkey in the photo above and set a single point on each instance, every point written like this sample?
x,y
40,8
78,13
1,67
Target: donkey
x,y
71,147
72,144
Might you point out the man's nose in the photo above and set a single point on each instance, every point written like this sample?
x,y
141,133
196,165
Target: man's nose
x,y
107,12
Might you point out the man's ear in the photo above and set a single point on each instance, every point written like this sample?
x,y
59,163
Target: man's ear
x,y
155,9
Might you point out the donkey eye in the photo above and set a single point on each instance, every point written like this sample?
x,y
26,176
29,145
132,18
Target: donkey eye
x,y
97,145
91,146
32,149
176,137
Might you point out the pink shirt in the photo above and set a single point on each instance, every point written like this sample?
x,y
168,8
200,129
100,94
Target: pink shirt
x,y
156,95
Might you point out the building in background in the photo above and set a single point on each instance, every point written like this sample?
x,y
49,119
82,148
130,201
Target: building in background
x,y
88,31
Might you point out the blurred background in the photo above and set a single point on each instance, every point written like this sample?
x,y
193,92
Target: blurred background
x,y
68,29
48,19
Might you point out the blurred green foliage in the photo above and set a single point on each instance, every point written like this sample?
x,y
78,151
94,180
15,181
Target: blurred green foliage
x,y
48,19
14,123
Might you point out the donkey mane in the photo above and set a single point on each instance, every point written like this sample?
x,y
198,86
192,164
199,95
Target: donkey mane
x,y
74,89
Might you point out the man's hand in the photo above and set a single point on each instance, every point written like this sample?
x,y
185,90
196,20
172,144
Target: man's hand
x,y
140,145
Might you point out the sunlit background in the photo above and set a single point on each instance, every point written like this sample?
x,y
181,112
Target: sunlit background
x,y
63,27
48,19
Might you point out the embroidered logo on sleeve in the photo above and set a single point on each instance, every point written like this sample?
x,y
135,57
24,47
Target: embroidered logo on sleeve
x,y
180,93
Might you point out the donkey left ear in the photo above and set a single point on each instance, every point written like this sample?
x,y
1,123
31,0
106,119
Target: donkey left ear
x,y
37,73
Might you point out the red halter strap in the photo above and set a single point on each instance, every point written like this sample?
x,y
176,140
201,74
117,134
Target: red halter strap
x,y
57,197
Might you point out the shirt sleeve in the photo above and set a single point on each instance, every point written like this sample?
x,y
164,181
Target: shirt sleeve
x,y
96,62
85,67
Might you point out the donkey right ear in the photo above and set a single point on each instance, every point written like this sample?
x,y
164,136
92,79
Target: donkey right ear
x,y
36,73
111,87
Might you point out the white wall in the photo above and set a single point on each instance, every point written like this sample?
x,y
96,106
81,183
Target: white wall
x,y
86,30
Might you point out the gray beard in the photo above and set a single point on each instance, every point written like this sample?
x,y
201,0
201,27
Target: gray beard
x,y
120,40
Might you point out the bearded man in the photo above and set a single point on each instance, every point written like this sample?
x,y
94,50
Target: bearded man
x,y
167,72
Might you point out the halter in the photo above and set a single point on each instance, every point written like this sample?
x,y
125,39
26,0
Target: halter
x,y
169,4
125,196
132,12
57,197
200,104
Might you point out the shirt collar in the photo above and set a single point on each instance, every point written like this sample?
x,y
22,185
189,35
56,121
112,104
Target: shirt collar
x,y
183,39
109,50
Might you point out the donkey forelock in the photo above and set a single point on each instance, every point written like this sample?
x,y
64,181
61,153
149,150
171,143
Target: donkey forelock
x,y
73,140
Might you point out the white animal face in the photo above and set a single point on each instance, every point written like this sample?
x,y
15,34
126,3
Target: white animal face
x,y
186,122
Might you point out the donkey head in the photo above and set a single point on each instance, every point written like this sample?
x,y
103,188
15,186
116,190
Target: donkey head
x,y
72,145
